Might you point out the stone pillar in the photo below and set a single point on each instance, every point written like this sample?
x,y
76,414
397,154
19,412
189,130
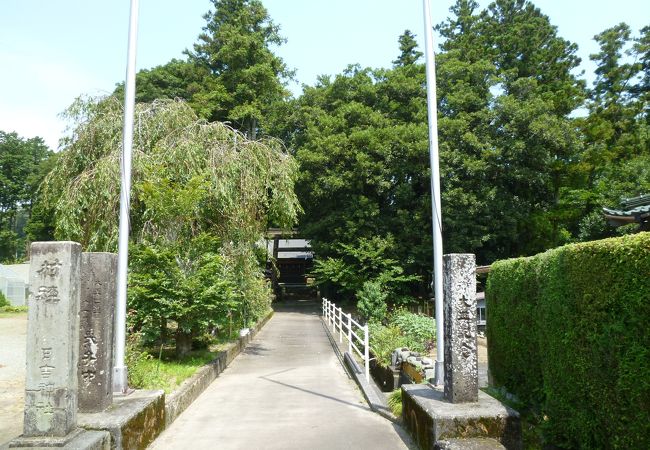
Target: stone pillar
x,y
52,340
96,312
461,359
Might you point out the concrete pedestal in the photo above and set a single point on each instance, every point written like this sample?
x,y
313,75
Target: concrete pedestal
x,y
76,440
133,420
432,419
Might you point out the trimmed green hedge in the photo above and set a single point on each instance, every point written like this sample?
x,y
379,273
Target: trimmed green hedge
x,y
568,332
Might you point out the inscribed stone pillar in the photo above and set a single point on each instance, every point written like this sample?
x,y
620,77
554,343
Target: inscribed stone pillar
x,y
52,339
95,374
461,360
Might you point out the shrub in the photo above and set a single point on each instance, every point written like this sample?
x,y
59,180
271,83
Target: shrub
x,y
567,332
3,300
383,340
418,330
372,301
13,309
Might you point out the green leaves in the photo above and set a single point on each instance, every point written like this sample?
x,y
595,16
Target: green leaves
x,y
565,323
235,48
363,262
371,301
188,177
23,164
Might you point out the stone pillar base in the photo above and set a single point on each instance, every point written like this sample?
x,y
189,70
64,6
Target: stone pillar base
x,y
431,418
78,439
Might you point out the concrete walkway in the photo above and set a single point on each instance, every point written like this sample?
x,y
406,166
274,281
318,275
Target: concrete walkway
x,y
288,390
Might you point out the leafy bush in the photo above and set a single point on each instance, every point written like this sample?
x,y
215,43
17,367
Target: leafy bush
x,y
372,301
3,300
383,340
567,332
365,261
13,309
418,330
403,329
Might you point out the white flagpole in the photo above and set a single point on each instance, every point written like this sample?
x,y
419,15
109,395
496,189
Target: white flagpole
x,y
120,383
435,191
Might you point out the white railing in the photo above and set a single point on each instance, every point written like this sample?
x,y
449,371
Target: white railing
x,y
345,325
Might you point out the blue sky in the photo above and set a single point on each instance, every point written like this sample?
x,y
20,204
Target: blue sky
x,y
55,50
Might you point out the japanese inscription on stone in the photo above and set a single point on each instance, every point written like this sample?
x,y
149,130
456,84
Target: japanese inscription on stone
x,y
98,274
461,359
52,334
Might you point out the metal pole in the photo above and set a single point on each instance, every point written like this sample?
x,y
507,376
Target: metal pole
x,y
435,191
120,383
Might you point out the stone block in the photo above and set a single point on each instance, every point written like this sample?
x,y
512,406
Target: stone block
x,y
76,440
461,358
96,312
133,420
431,418
52,340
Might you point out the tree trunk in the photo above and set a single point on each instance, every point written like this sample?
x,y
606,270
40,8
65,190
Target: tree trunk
x,y
183,343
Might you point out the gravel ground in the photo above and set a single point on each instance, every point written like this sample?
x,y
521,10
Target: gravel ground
x,y
13,332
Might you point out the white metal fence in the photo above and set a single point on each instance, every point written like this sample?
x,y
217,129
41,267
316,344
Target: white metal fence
x,y
345,325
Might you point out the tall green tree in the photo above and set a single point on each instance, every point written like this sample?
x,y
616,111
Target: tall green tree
x,y
23,164
202,197
509,148
617,129
248,78
409,54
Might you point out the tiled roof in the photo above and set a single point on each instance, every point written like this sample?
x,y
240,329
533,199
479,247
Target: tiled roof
x,y
634,212
635,209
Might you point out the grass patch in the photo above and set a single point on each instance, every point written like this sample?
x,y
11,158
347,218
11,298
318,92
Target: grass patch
x,y
159,368
12,311
395,402
166,373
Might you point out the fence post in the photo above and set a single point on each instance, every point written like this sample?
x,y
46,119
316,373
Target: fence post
x,y
340,325
366,351
350,334
333,317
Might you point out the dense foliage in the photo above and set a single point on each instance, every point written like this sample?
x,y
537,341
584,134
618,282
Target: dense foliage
x,y
400,328
3,300
23,164
521,169
372,301
231,75
202,197
567,333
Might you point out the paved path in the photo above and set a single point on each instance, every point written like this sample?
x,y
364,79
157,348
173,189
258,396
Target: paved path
x,y
13,332
288,390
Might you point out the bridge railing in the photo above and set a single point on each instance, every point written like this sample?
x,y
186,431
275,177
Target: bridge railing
x,y
348,328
